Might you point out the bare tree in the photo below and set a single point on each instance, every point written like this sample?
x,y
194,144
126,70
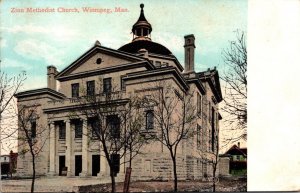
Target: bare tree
x,y
134,138
115,124
211,156
9,85
235,78
32,135
174,116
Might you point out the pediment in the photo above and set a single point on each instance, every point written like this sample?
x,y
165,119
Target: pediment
x,y
99,57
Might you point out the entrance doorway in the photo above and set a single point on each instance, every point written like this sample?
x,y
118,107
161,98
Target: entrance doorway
x,y
62,163
78,164
95,164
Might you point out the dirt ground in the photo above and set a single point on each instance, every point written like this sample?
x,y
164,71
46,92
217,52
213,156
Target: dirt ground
x,y
224,185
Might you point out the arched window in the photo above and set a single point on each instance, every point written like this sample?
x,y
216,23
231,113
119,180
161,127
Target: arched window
x,y
149,120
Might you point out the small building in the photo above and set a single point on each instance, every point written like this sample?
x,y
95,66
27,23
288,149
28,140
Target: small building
x,y
5,163
238,159
237,154
8,163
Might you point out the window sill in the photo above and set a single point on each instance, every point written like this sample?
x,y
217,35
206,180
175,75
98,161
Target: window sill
x,y
149,133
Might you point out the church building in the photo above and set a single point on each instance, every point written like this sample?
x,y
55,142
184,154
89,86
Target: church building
x,y
135,69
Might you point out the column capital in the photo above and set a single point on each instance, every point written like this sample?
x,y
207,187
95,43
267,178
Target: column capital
x,y
50,122
67,120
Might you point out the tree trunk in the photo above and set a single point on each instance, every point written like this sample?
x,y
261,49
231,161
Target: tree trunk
x,y
127,183
113,183
214,181
174,172
33,174
214,176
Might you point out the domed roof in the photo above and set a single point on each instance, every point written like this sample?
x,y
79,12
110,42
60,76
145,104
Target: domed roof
x,y
150,46
141,38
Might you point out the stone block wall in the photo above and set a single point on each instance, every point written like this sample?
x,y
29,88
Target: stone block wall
x,y
224,163
158,166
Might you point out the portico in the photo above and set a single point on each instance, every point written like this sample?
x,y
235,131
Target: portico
x,y
76,148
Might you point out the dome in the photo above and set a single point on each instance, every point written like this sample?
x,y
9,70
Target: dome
x,y
142,38
150,46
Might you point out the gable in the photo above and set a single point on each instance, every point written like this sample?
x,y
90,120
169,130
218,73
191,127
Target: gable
x,y
98,58
234,150
91,63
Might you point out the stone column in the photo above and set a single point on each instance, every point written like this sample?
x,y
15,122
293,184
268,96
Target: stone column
x,y
85,154
69,148
103,166
52,150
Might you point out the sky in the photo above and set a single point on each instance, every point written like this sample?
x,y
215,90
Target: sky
x,y
32,41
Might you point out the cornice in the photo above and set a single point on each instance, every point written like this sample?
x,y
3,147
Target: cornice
x,y
157,72
40,91
111,69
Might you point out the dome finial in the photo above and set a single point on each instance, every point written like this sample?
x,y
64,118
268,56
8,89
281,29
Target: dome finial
x,y
142,5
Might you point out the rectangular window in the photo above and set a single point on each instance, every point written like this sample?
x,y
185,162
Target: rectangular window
x,y
198,136
96,127
209,140
199,104
213,130
122,83
62,130
158,64
75,90
165,64
33,129
115,160
90,88
78,128
209,112
149,120
113,122
107,85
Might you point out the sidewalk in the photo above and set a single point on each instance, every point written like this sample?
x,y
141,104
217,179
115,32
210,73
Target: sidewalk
x,y
51,184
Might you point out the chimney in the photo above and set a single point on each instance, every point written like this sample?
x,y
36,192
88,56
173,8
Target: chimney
x,y
189,52
51,72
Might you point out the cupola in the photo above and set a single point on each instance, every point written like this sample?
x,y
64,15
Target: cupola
x,y
142,28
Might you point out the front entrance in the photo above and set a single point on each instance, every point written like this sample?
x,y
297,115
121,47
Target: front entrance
x,y
62,163
78,164
95,164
